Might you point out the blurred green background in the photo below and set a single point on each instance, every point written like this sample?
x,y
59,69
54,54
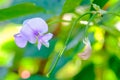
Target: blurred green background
x,y
29,63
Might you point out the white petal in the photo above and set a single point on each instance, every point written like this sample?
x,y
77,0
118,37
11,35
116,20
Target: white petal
x,y
87,51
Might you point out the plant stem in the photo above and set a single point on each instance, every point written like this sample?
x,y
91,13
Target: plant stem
x,y
66,42
53,67
86,28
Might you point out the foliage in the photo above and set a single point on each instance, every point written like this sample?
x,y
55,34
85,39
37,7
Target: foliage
x,y
71,21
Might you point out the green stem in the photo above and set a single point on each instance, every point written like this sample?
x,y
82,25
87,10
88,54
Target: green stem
x,y
74,25
63,49
53,67
86,28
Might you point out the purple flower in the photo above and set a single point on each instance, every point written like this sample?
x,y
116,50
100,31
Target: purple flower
x,y
33,31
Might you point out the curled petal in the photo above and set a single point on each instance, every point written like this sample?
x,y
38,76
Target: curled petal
x,y
86,54
87,51
20,40
28,33
37,25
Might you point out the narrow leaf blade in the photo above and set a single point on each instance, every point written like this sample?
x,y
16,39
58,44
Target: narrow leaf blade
x,y
19,10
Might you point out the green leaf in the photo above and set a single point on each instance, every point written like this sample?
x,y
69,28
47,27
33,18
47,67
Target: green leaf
x,y
115,66
70,5
38,77
87,73
63,60
101,3
111,30
96,7
111,44
76,40
4,72
19,10
32,51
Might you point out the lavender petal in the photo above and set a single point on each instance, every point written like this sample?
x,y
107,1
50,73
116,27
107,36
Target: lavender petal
x,y
29,33
46,44
37,24
20,40
44,39
39,45
47,37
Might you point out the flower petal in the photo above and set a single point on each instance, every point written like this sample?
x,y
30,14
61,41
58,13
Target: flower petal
x,y
44,39
20,40
47,37
39,45
84,55
29,33
37,24
87,52
46,44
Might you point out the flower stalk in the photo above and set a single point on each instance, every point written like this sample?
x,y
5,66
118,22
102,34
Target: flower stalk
x,y
66,42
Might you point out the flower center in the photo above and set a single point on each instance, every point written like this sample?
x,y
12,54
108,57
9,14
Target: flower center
x,y
36,33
